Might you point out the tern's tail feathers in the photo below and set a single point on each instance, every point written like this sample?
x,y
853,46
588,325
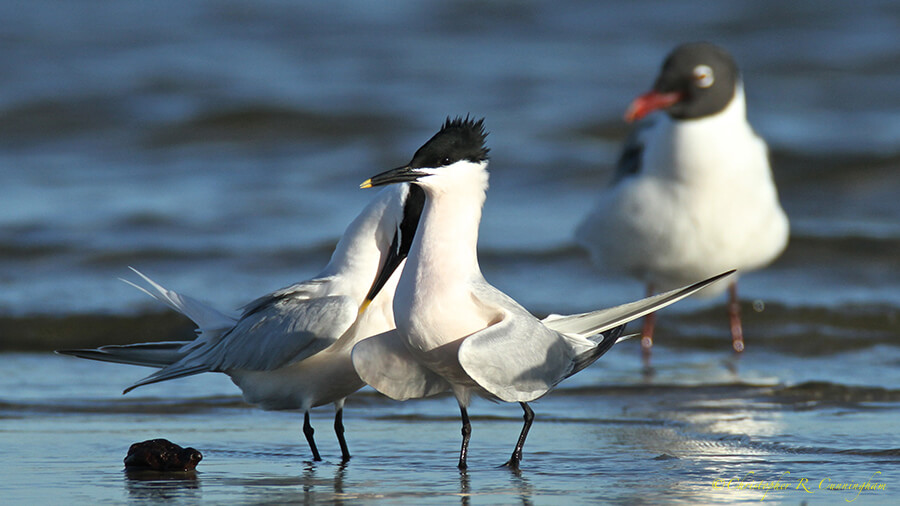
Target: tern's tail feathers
x,y
146,354
162,354
605,342
594,322
207,318
168,373
212,324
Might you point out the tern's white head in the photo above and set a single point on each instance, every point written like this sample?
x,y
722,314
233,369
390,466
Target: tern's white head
x,y
454,157
451,171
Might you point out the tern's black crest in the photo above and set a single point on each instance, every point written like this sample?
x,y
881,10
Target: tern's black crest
x,y
705,73
459,139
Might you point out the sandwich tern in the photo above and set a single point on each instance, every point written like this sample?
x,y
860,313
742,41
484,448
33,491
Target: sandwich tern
x,y
693,192
454,330
290,349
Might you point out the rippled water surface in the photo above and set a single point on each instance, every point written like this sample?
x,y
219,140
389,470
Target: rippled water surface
x,y
218,147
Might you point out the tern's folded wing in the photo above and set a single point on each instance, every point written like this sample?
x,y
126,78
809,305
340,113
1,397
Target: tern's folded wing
x,y
384,362
518,359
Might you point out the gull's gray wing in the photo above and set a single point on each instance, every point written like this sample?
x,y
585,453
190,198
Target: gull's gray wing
x,y
384,362
631,157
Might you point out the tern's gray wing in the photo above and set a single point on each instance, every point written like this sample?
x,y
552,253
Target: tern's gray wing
x,y
273,332
384,362
518,359
285,330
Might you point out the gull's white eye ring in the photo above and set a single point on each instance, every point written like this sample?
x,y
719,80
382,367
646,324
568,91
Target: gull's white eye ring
x,y
704,77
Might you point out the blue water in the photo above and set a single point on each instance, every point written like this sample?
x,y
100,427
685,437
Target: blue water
x,y
218,146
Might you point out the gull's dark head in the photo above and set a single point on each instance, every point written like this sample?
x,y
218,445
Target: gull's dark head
x,y
696,80
459,140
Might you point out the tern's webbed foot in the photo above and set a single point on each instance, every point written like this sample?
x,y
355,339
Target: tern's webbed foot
x,y
511,464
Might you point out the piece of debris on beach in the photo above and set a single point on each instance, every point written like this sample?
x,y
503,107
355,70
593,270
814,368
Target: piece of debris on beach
x,y
161,455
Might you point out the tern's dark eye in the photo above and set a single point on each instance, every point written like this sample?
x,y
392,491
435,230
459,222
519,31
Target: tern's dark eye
x,y
445,161
703,76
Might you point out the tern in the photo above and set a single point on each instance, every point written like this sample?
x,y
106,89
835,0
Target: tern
x,y
693,192
290,349
454,330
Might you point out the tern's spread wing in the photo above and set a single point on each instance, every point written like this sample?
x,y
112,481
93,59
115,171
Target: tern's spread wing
x,y
284,331
284,327
384,362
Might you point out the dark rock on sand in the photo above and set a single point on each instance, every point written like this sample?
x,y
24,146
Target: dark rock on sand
x,y
161,455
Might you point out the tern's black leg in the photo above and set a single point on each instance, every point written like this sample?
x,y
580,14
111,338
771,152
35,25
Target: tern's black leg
x,y
466,432
339,430
513,462
308,431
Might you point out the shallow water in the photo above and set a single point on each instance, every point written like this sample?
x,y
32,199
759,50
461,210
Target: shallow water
x,y
606,436
218,148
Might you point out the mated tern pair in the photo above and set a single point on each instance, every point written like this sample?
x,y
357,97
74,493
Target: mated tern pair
x,y
315,342
291,348
693,193
454,330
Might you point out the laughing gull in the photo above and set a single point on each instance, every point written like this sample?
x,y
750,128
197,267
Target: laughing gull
x,y
693,193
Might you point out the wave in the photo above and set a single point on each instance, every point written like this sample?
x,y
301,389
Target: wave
x,y
252,123
818,393
823,394
141,405
242,121
805,331
46,333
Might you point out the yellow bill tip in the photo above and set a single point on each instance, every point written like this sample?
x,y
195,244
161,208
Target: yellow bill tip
x,y
365,304
366,184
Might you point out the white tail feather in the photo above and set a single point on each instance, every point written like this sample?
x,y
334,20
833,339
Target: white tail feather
x,y
594,322
207,318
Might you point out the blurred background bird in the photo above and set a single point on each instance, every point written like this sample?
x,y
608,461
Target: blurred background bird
x,y
693,193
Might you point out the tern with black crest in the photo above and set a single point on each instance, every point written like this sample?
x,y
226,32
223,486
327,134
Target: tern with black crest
x,y
693,193
454,330
290,349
